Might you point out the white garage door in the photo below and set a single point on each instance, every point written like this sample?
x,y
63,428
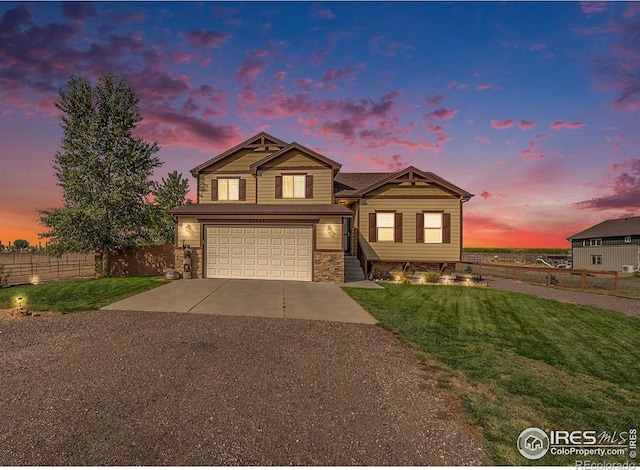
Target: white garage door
x,y
259,252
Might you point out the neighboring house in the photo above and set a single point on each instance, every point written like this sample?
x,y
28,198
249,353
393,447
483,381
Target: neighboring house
x,y
612,245
268,209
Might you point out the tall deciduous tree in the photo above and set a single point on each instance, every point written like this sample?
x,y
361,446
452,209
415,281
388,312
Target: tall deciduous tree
x,y
104,171
169,194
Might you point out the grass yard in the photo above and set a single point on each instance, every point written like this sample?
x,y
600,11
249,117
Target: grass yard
x,y
518,361
76,295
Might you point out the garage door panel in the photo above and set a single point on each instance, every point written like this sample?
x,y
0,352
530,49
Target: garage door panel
x,y
259,252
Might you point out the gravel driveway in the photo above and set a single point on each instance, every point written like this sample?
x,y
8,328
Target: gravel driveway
x,y
139,388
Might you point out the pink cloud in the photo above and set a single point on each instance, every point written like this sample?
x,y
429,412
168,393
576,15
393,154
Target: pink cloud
x,y
323,13
332,74
593,7
624,192
526,125
441,114
487,195
555,125
482,139
459,86
532,152
501,125
252,65
537,47
484,86
434,100
632,9
206,38
393,163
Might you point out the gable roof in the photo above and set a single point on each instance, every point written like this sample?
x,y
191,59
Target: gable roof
x,y
259,140
611,228
301,148
359,184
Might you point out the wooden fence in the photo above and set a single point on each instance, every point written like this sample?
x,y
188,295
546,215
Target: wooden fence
x,y
33,268
547,276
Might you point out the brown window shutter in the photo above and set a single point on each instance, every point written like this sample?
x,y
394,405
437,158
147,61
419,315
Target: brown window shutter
x,y
278,187
420,228
373,232
242,189
214,189
309,190
446,228
398,228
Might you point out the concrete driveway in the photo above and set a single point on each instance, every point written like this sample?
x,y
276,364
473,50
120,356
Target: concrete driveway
x,y
245,297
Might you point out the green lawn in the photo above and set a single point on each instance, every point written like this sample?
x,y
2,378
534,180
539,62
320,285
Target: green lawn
x,y
518,361
76,295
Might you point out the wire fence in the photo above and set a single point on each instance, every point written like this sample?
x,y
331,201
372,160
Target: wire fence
x,y
548,277
33,268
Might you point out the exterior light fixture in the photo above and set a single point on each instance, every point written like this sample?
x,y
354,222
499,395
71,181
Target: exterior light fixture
x,y
19,301
330,232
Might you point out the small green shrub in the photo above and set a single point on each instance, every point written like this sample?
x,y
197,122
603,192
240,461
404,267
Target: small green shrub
x,y
468,270
431,277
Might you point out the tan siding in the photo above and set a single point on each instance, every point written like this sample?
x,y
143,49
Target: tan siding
x,y
409,250
323,239
322,187
204,195
292,158
406,189
239,161
188,231
613,257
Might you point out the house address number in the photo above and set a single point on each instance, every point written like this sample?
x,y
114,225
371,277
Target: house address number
x,y
257,221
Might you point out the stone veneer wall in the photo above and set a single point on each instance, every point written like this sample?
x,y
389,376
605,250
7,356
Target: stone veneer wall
x,y
196,261
328,266
381,269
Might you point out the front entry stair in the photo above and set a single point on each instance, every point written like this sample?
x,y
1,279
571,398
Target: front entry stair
x,y
352,270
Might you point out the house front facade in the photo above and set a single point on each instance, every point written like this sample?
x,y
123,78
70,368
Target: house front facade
x,y
268,209
612,245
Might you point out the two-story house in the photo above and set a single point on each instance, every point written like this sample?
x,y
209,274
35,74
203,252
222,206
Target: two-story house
x,y
611,245
268,209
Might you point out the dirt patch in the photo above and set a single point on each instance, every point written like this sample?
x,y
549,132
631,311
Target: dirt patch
x,y
10,314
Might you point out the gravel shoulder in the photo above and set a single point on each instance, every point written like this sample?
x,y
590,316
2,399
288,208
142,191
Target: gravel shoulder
x,y
607,302
139,388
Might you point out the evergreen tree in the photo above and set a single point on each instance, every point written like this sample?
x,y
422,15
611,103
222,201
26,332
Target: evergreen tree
x,y
103,169
169,194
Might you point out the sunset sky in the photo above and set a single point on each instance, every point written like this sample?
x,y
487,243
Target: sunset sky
x,y
532,107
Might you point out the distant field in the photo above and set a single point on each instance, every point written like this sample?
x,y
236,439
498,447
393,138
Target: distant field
x,y
550,251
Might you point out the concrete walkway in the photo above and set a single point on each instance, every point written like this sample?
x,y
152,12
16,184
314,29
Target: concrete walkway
x,y
245,297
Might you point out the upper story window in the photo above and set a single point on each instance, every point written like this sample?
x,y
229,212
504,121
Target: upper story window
x,y
228,189
595,242
294,186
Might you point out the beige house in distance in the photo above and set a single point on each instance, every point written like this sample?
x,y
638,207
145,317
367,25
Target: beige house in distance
x,y
268,209
611,245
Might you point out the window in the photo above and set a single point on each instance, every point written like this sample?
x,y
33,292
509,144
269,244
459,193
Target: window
x,y
627,239
294,186
432,227
385,226
596,259
229,189
596,242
